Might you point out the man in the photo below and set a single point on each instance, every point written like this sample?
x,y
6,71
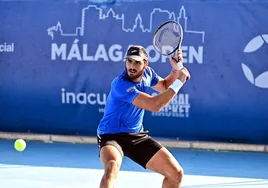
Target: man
x,y
121,133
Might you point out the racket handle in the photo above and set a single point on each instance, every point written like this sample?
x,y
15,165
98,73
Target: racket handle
x,y
180,65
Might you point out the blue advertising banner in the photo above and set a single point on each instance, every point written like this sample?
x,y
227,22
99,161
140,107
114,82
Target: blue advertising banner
x,y
57,61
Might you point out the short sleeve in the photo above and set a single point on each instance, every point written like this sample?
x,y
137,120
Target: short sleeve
x,y
124,91
155,78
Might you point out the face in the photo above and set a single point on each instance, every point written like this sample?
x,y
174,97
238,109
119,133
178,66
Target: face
x,y
134,68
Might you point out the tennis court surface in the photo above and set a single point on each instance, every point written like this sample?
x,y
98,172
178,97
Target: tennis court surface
x,y
56,165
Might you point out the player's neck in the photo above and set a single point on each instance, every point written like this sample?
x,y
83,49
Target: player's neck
x,y
137,79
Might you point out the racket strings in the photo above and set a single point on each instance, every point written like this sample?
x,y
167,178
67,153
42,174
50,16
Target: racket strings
x,y
167,38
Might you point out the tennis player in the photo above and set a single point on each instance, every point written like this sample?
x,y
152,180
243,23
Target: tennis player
x,y
121,132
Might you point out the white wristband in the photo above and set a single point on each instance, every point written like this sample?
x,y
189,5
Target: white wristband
x,y
176,86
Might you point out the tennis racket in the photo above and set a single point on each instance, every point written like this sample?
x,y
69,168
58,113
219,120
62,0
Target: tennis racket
x,y
168,38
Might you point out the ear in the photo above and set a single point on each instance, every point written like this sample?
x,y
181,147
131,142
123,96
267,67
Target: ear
x,y
146,63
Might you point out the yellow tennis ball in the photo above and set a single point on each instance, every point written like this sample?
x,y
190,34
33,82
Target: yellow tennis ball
x,y
20,145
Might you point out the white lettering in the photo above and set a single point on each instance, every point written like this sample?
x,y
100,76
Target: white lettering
x,y
101,53
58,51
184,50
191,54
101,110
181,99
181,109
101,101
186,99
74,52
116,53
82,98
178,107
7,47
63,100
70,95
196,55
91,98
175,108
86,57
150,49
187,109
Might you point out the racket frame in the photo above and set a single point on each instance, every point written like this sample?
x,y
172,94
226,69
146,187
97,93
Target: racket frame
x,y
160,27
180,65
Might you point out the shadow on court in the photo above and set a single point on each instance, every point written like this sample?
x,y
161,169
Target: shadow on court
x,y
194,162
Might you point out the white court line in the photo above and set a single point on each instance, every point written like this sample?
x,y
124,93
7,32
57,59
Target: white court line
x,y
13,176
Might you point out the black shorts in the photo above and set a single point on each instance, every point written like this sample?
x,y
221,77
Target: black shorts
x,y
139,147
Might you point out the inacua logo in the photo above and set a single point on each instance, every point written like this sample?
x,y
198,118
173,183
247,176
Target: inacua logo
x,y
82,98
72,98
253,45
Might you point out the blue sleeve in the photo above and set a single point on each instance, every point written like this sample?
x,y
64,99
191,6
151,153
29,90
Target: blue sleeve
x,y
124,91
155,78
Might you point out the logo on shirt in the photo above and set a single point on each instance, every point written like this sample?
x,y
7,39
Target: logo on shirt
x,y
131,89
178,107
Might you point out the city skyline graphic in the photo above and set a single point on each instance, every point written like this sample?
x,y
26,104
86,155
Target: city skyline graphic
x,y
138,23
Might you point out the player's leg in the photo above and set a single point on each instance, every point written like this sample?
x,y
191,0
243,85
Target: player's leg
x,y
152,155
163,162
111,157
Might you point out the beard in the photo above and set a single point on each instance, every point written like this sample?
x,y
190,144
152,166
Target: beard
x,y
134,74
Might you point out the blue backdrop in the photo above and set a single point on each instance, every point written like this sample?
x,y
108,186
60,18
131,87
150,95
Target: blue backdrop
x,y
57,60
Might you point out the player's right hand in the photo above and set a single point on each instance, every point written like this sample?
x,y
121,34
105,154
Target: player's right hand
x,y
183,74
174,60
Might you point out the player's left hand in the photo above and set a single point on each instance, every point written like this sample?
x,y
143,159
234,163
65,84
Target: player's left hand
x,y
173,60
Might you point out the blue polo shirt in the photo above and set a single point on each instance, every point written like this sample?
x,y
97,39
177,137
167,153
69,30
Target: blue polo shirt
x,y
120,115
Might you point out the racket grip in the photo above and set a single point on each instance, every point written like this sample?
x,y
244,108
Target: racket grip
x,y
180,65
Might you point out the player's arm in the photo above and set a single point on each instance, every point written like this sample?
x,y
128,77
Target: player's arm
x,y
163,84
156,103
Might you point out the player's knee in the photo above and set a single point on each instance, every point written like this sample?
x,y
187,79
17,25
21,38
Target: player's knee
x,y
177,175
111,169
